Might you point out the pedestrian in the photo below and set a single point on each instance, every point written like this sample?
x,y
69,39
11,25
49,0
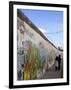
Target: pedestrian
x,y
56,63
59,62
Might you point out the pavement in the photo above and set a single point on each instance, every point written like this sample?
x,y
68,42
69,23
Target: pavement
x,y
52,74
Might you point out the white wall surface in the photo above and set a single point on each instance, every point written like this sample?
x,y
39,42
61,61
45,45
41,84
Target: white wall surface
x,y
4,46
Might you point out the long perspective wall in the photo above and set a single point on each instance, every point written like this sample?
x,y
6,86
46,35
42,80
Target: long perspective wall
x,y
33,46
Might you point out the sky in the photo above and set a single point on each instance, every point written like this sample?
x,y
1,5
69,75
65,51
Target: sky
x,y
49,22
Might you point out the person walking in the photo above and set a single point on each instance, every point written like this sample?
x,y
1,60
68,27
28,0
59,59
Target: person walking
x,y
59,62
56,63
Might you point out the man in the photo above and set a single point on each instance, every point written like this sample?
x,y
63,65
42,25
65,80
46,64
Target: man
x,y
56,63
59,62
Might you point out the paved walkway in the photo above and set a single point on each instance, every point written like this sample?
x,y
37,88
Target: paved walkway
x,y
51,73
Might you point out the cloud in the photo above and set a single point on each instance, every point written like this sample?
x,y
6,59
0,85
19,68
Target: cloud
x,y
43,31
47,36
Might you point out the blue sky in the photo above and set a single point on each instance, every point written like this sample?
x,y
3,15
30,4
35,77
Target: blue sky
x,y
49,22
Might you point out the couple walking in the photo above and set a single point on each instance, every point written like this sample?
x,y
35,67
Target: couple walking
x,y
57,62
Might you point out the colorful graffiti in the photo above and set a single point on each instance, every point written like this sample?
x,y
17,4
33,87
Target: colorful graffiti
x,y
33,59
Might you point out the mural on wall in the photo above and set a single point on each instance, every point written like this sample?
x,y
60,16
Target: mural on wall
x,y
34,58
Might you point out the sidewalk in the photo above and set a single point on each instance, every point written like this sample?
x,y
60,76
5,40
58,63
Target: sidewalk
x,y
52,74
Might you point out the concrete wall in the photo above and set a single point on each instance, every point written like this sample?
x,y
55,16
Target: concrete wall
x,y
46,49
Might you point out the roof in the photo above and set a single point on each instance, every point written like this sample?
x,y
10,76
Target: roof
x,y
23,17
